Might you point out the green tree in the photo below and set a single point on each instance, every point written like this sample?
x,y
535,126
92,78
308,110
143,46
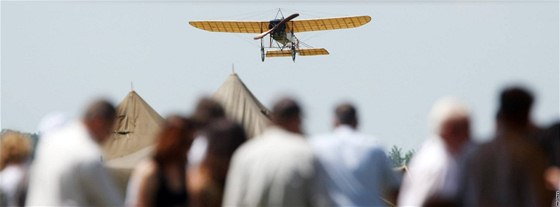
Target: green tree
x,y
399,158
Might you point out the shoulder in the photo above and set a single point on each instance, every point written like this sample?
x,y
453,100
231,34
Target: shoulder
x,y
247,148
198,180
141,181
354,136
277,138
75,129
365,142
431,157
145,168
274,143
319,139
143,172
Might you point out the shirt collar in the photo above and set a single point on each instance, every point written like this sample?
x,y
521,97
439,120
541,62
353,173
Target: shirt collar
x,y
344,129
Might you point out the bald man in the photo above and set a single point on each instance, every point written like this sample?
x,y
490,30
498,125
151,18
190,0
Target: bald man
x,y
434,171
68,170
275,168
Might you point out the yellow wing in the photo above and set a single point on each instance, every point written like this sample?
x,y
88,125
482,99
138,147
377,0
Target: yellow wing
x,y
302,52
308,25
313,51
279,53
231,26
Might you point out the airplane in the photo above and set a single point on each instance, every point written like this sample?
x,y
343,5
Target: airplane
x,y
281,31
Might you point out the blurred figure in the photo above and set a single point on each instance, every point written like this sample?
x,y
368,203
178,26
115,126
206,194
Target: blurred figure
x,y
15,150
549,140
51,123
161,180
207,181
353,167
509,170
207,110
434,172
68,170
275,168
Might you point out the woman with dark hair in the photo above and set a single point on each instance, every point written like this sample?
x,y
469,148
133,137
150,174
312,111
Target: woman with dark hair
x,y
207,181
161,180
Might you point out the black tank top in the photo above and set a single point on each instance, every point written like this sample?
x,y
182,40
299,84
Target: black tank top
x,y
165,196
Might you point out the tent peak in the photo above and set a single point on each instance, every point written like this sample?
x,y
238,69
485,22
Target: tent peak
x,y
132,93
241,105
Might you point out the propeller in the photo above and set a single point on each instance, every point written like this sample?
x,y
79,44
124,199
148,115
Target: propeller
x,y
260,36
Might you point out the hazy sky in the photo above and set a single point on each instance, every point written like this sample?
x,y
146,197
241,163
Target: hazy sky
x,y
58,55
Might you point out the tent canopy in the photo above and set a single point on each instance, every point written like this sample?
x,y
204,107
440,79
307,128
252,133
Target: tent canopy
x,y
133,137
138,123
242,106
136,127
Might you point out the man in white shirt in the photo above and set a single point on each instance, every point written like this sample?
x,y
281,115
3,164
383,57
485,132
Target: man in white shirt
x,y
434,172
275,168
353,167
68,169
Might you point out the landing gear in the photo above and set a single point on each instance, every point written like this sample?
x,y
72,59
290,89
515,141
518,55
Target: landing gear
x,y
262,51
293,46
262,54
293,53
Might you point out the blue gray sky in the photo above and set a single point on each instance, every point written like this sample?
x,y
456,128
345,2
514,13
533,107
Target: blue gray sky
x,y
58,55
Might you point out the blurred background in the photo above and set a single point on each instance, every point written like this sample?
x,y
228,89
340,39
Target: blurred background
x,y
57,55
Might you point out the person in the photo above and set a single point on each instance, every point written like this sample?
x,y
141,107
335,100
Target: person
x,y
207,180
15,150
353,166
52,122
207,110
68,170
433,178
161,179
549,140
275,168
509,170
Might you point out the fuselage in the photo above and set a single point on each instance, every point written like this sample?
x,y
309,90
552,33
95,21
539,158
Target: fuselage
x,y
282,34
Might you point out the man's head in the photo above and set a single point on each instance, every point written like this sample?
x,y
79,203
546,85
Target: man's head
x,y
207,110
451,121
99,119
515,108
286,114
346,114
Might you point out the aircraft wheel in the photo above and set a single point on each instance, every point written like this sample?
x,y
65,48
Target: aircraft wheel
x,y
262,54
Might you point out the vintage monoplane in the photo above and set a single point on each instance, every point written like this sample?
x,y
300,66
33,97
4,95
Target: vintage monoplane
x,y
281,32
